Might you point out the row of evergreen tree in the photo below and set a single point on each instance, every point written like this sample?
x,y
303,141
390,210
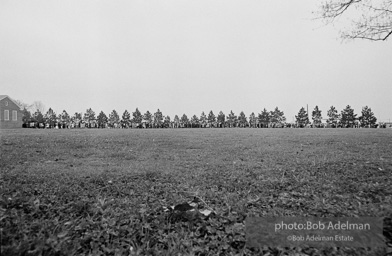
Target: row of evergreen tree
x,y
275,118
346,118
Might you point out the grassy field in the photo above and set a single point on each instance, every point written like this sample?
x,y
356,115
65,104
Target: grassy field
x,y
107,192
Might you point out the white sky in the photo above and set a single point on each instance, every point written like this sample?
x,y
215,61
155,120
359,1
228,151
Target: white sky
x,y
187,56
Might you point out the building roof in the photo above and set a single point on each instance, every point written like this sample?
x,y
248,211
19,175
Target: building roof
x,y
6,96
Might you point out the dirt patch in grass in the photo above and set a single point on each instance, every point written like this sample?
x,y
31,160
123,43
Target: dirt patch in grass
x,y
110,191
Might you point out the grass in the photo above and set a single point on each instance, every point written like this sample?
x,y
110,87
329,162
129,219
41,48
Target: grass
x,y
107,192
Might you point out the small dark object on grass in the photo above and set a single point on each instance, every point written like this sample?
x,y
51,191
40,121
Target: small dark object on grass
x,y
183,207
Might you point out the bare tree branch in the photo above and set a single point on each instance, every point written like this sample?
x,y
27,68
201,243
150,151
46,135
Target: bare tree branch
x,y
371,20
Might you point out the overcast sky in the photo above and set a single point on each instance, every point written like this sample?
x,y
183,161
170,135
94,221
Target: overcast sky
x,y
187,57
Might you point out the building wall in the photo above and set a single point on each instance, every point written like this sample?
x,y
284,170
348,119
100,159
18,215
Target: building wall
x,y
10,124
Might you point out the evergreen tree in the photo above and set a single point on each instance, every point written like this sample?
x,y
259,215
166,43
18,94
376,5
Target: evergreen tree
x,y
26,116
158,118
64,117
252,120
203,119
77,117
302,118
316,117
367,118
89,115
114,118
50,117
347,117
166,122
211,118
126,118
265,118
184,121
242,119
137,117
277,117
221,119
38,116
231,119
176,121
333,117
147,117
102,120
195,121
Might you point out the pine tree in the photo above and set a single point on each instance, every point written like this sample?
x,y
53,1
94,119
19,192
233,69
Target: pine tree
x,y
302,118
50,117
316,117
89,115
176,121
38,116
64,117
333,117
277,117
58,118
211,119
195,121
167,122
203,119
102,120
242,119
158,118
26,118
264,118
184,120
126,118
231,119
252,120
221,119
147,117
74,119
367,118
137,117
114,119
77,117
347,117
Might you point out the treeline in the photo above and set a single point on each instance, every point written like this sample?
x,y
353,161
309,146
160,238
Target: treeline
x,y
274,119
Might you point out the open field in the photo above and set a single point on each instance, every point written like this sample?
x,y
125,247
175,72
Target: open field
x,y
105,191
